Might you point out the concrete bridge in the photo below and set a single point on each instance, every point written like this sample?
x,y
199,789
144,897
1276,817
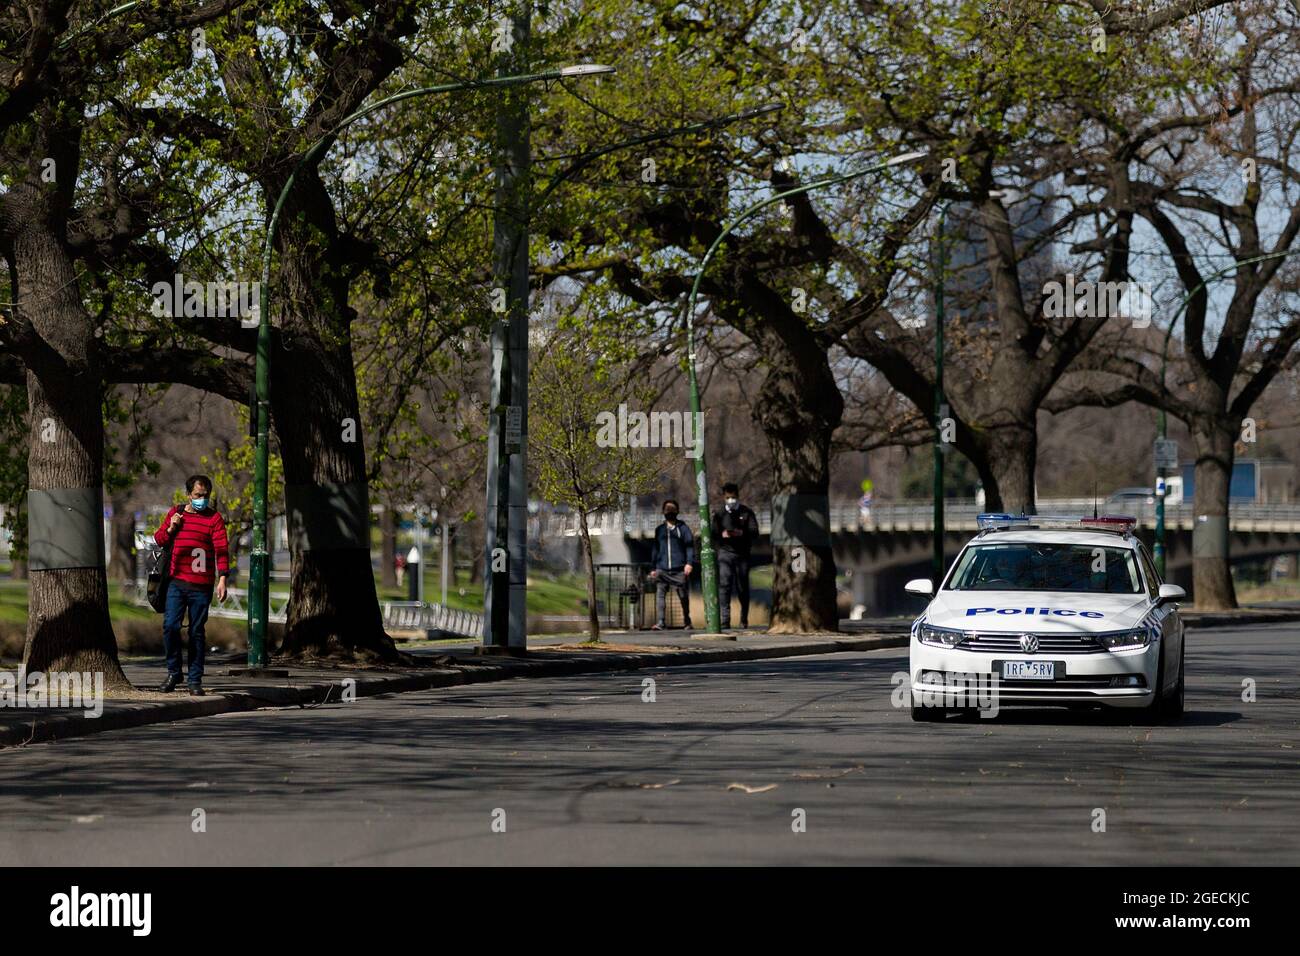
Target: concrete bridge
x,y
880,550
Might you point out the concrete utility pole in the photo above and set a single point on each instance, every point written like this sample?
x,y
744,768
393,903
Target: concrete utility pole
x,y
506,551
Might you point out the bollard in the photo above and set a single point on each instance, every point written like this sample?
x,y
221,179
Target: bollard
x,y
413,572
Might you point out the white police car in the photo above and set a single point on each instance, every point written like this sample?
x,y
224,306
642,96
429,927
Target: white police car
x,y
1049,611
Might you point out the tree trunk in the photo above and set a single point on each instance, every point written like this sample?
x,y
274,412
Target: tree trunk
x,y
122,557
68,626
1011,452
593,617
798,431
388,547
333,606
1212,587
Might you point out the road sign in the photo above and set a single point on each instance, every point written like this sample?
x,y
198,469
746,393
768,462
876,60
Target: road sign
x,y
514,428
1165,453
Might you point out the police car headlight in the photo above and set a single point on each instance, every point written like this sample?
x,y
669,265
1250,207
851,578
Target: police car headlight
x,y
940,636
1138,637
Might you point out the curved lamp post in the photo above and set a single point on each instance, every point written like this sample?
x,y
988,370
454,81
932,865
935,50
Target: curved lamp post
x,y
1161,416
708,558
259,558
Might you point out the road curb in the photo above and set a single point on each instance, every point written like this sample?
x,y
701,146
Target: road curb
x,y
1196,619
480,671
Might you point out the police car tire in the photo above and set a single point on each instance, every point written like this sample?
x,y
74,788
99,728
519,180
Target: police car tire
x,y
1164,706
1172,705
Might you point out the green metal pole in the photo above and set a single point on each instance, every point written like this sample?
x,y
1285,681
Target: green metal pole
x,y
1158,551
259,558
940,267
708,557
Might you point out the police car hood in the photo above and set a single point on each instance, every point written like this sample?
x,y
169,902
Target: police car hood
x,y
1048,612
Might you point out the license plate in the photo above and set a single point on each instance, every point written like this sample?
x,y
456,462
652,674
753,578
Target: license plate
x,y
1029,670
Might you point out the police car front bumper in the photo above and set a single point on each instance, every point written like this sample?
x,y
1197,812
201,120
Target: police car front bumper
x,y
954,676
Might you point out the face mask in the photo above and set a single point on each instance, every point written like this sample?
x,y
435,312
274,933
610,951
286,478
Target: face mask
x,y
731,503
670,514
199,503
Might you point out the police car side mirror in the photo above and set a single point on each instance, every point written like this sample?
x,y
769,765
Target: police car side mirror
x,y
1171,592
919,586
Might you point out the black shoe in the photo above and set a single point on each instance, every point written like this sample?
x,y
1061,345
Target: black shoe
x,y
196,690
170,684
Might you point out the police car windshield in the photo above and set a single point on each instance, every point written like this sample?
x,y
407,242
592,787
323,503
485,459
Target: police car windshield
x,y
1034,566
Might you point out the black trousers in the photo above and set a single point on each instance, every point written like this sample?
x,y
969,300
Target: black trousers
x,y
678,582
733,577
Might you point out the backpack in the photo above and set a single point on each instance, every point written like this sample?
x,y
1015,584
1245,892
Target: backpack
x,y
158,563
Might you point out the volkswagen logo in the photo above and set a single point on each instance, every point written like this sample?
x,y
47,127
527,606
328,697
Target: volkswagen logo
x,y
1029,643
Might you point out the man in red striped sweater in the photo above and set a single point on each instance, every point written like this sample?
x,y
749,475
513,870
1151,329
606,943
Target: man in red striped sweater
x,y
200,555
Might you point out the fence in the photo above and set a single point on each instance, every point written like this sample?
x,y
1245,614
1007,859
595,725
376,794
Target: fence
x,y
398,615
620,592
625,597
959,515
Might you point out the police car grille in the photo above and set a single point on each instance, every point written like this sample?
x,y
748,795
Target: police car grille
x,y
1047,644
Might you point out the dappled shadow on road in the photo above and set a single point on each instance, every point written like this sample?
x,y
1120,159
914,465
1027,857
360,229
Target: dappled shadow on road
x,y
593,752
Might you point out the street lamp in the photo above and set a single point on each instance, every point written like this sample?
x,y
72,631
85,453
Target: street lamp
x,y
1158,552
259,558
708,558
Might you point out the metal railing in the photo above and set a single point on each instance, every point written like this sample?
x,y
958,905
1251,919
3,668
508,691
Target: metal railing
x,y
399,615
959,516
236,606
412,615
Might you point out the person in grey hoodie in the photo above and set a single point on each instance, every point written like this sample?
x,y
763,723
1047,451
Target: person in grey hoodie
x,y
671,564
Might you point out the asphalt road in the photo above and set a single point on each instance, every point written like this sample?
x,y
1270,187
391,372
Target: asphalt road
x,y
587,772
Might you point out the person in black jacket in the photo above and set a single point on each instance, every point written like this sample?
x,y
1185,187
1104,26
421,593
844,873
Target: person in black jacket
x,y
671,563
734,529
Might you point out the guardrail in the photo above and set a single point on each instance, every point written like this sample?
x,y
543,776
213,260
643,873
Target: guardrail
x,y
400,615
959,515
412,615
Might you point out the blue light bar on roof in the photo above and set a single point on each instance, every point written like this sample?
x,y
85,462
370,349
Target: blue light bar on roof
x,y
986,522
1122,524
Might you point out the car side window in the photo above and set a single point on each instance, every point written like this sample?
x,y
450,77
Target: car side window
x,y
1149,572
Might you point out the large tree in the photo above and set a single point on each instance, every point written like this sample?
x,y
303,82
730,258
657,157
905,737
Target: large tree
x,y
645,237
1214,174
250,120
56,61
